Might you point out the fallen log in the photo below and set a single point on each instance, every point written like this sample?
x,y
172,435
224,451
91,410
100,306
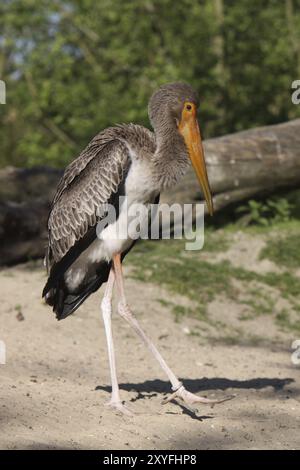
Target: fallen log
x,y
240,166
21,185
246,164
22,233
25,198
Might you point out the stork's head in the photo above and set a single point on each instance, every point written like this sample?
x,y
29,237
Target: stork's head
x,y
173,108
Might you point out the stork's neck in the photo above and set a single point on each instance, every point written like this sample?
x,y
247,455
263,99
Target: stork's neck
x,y
165,150
170,159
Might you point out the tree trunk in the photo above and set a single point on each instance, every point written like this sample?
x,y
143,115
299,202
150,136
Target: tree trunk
x,y
240,166
246,164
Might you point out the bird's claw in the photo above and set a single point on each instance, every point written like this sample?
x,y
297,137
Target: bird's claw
x,y
120,407
190,398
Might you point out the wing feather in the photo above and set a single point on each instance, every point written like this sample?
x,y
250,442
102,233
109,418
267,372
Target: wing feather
x,y
84,191
89,183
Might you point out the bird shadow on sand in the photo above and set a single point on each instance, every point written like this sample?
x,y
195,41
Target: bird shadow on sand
x,y
193,413
152,388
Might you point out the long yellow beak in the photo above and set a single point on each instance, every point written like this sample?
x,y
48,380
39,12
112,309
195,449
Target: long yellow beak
x,y
189,129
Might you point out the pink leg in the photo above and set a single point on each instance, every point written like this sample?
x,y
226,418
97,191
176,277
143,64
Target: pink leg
x,y
106,307
124,310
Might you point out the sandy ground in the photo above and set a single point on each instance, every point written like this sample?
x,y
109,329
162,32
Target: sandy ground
x,y
56,379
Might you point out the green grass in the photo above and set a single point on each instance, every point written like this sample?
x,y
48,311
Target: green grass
x,y
190,273
200,277
187,274
180,311
284,251
284,321
259,302
216,240
179,271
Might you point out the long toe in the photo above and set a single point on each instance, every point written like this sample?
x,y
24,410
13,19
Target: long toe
x,y
190,398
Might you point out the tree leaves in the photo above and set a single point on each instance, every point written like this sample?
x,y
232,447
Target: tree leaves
x,y
75,67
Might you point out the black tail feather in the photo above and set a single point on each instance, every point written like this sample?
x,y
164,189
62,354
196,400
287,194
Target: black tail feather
x,y
58,269
56,292
64,302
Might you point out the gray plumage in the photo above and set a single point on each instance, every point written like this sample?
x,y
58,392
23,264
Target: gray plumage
x,y
98,177
89,182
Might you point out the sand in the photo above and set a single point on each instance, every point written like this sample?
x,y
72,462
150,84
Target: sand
x,y
55,382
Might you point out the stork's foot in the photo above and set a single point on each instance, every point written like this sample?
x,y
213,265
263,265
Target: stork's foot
x,y
120,407
190,399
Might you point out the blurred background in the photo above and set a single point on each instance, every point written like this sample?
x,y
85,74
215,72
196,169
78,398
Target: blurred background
x,y
74,67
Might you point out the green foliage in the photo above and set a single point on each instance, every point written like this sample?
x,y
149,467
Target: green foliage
x,y
270,212
74,67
